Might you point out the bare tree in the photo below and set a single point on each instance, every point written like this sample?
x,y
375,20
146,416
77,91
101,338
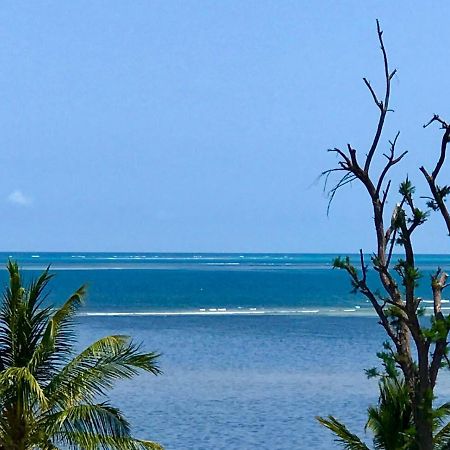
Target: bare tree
x,y
419,351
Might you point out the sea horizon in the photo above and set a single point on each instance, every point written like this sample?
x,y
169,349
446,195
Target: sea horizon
x,y
154,284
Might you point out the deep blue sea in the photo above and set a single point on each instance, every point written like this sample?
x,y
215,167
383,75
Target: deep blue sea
x,y
254,346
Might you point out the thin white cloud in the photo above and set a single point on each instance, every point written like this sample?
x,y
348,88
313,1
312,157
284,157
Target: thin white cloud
x,y
17,197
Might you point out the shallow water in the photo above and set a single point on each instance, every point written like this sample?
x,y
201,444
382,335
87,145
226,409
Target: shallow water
x,y
253,382
126,284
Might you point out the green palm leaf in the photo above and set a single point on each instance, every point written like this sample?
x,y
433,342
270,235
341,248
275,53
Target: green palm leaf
x,y
94,371
99,419
349,440
94,426
56,343
391,420
442,436
93,442
19,380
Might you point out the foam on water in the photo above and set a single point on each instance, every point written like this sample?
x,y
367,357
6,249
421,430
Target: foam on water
x,y
175,261
231,312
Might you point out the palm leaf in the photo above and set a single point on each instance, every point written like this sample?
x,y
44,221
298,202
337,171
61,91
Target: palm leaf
x,y
94,426
391,420
442,437
20,379
99,419
57,339
347,439
95,370
36,290
85,441
22,319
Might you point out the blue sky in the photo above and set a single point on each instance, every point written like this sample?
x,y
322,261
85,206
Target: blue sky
x,y
203,125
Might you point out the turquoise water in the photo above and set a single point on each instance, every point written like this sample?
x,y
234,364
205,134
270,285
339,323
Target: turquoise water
x,y
147,283
253,346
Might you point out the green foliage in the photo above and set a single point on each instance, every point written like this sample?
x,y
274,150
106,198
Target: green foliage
x,y
393,314
348,440
442,437
372,372
406,189
375,261
442,193
410,275
419,216
343,263
391,421
388,360
49,397
421,310
438,330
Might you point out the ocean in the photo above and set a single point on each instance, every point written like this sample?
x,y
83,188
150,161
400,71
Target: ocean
x,y
254,346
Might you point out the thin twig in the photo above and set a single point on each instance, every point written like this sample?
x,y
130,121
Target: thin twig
x,y
382,105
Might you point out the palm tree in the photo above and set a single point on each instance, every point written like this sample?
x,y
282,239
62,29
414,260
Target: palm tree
x,y
391,421
51,398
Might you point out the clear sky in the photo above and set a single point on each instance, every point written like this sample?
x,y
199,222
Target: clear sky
x,y
203,125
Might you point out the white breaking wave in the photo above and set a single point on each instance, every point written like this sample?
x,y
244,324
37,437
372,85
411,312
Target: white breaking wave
x,y
230,312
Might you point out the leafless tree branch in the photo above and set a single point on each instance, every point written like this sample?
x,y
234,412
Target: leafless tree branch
x,y
383,106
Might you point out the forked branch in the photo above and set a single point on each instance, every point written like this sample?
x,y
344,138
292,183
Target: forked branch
x,y
382,105
438,193
391,161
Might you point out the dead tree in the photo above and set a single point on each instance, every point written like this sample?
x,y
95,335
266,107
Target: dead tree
x,y
418,351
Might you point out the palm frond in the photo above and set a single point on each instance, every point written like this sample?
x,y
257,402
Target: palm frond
x,y
85,441
99,419
22,318
94,426
95,370
347,439
20,379
36,290
442,436
391,420
57,340
441,414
